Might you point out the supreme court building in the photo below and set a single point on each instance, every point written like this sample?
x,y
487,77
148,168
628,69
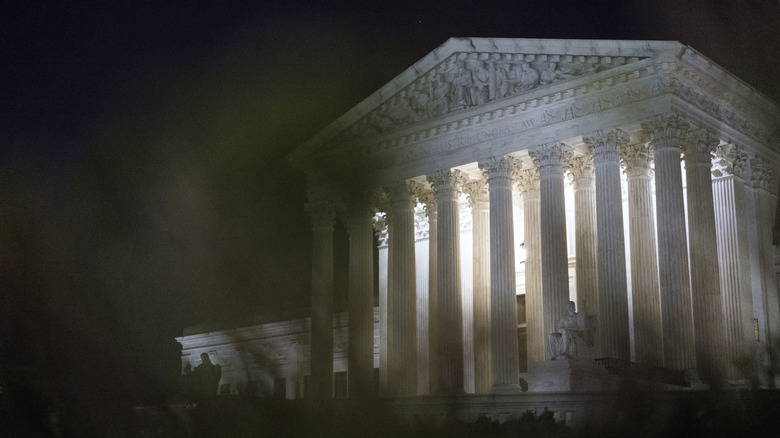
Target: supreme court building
x,y
501,178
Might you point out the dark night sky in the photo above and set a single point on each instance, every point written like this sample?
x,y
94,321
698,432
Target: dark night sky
x,y
143,185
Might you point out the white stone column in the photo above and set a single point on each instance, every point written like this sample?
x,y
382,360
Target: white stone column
x,y
402,336
582,178
702,241
504,374
614,339
477,192
383,265
733,257
428,198
667,134
648,333
528,185
549,159
761,205
449,377
322,213
361,300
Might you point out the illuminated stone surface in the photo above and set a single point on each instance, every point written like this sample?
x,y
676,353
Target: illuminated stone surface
x,y
475,101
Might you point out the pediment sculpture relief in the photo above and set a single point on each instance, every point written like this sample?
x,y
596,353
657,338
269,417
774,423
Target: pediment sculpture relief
x,y
466,80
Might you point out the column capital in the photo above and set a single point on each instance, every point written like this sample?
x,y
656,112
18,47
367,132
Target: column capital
x,y
666,131
477,192
528,182
729,160
550,157
581,171
404,193
699,146
446,182
505,166
381,228
605,145
761,175
636,159
428,199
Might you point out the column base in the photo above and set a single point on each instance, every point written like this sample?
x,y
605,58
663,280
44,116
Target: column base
x,y
568,375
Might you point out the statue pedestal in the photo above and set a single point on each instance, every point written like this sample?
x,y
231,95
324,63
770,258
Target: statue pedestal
x,y
568,375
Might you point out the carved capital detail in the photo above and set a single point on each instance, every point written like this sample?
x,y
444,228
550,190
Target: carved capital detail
x,y
761,174
404,194
636,159
581,171
700,146
550,157
666,131
730,159
605,145
528,182
381,227
477,192
428,199
447,182
500,167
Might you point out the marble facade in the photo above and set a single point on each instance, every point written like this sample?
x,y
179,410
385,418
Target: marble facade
x,y
636,178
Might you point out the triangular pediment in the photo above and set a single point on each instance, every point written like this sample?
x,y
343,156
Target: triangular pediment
x,y
466,73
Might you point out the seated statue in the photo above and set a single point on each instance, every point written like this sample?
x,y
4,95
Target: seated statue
x,y
572,336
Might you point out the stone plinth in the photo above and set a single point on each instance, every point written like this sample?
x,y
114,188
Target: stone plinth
x,y
567,375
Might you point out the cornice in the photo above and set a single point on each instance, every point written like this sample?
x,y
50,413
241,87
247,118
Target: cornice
x,y
498,47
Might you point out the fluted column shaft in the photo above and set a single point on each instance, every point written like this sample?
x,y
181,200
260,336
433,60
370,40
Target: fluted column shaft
x,y
449,377
428,198
402,340
762,203
705,281
581,174
480,214
322,215
528,184
613,329
503,296
667,134
383,264
733,257
361,301
550,159
646,303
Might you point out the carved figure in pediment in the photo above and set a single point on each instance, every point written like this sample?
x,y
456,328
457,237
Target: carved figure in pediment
x,y
462,83
439,104
398,110
528,78
418,103
481,80
502,83
551,74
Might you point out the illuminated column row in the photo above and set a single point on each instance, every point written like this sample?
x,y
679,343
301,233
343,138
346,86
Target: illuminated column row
x,y
449,344
703,253
503,301
528,185
361,300
667,134
549,160
733,257
480,212
402,326
613,291
646,304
